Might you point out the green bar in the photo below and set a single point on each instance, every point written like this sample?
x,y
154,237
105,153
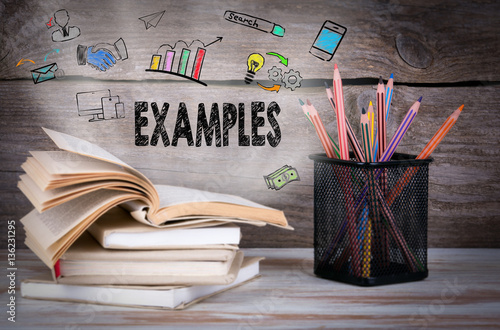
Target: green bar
x,y
183,62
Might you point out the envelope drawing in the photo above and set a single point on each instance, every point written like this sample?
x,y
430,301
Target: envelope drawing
x,y
44,73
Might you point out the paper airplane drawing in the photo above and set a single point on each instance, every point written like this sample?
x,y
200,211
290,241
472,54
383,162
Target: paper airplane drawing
x,y
152,19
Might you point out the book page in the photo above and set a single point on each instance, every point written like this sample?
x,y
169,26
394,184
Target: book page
x,y
44,200
54,223
82,147
171,195
67,163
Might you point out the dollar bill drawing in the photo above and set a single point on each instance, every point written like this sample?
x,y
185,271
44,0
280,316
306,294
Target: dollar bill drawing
x,y
281,177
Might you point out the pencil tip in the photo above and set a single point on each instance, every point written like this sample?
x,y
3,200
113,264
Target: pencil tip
x,y
363,111
308,102
300,101
371,104
335,67
462,107
392,76
420,99
326,85
380,81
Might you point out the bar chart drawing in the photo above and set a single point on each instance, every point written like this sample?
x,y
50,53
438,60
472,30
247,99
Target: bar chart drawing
x,y
181,59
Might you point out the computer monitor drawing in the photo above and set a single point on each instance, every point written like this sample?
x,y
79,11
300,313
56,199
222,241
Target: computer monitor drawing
x,y
90,104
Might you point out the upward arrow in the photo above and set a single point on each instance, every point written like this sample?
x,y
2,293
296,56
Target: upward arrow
x,y
218,39
281,57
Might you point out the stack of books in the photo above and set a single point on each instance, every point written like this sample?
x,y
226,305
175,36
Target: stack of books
x,y
101,226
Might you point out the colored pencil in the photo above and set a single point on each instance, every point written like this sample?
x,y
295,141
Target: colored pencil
x,y
388,96
390,225
440,134
400,132
306,113
339,101
371,118
367,244
366,221
346,185
366,138
381,127
355,240
319,127
424,154
353,141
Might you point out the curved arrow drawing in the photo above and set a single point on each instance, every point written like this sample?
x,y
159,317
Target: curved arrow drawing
x,y
273,88
53,50
281,57
21,61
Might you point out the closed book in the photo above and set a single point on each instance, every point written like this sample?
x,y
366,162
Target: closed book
x,y
86,261
158,297
117,229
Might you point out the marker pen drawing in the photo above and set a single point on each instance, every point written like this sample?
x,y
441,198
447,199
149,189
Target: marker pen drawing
x,y
255,22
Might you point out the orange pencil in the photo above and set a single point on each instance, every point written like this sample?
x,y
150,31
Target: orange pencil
x,y
440,134
424,154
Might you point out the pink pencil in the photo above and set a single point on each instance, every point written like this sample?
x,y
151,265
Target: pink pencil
x,y
339,101
312,113
353,141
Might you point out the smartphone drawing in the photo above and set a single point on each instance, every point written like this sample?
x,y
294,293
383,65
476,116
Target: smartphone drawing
x,y
108,106
327,40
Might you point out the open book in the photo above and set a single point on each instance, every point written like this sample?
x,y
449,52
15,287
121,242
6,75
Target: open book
x,y
73,187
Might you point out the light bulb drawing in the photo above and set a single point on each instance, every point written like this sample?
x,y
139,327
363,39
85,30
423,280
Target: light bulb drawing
x,y
255,62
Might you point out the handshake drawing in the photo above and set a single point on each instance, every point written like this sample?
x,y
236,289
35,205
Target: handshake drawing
x,y
102,56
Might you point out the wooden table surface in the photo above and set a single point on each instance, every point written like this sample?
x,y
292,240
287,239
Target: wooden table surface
x,y
462,291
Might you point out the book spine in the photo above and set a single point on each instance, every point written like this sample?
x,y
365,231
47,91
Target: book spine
x,y
57,269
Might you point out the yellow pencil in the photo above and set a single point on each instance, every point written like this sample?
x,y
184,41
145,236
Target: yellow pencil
x,y
371,118
365,133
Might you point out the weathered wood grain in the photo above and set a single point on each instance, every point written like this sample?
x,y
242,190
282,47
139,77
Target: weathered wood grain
x,y
458,39
462,290
457,44
463,187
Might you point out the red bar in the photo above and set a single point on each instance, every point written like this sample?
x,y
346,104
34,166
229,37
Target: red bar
x,y
200,55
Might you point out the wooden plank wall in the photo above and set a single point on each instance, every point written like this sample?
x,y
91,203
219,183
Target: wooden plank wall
x,y
445,51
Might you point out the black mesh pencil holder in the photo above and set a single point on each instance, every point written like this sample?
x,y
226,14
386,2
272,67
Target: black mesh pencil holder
x,y
370,220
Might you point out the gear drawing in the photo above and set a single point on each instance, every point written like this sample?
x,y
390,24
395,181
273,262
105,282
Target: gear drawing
x,y
274,73
292,79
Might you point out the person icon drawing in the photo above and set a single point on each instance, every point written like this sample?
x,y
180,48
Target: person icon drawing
x,y
64,32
